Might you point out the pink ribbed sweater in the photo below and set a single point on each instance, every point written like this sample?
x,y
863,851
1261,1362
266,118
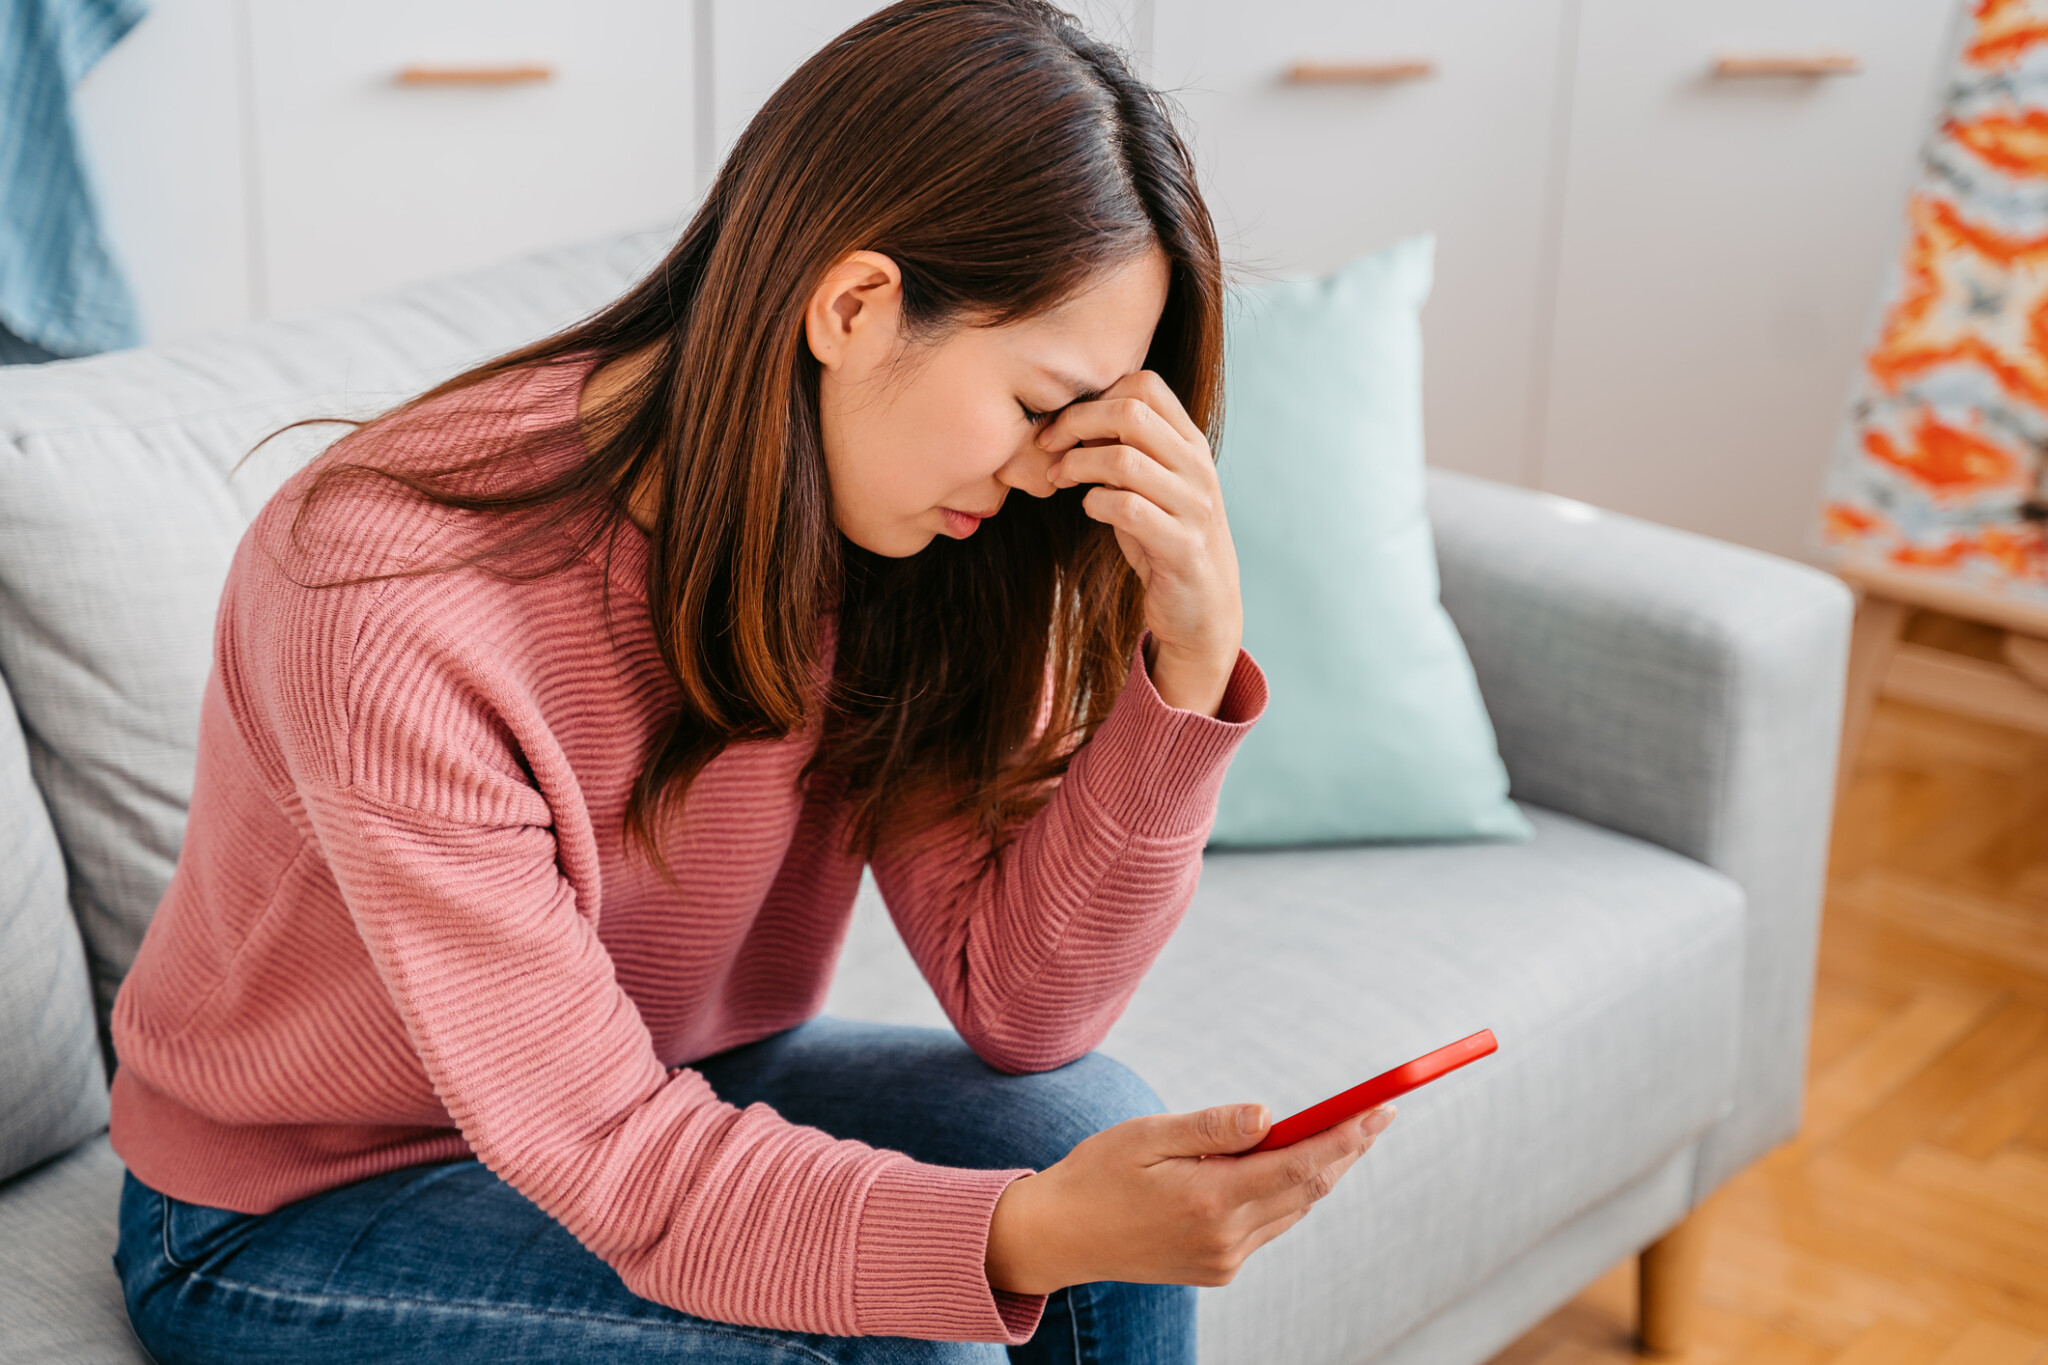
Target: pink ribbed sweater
x,y
405,927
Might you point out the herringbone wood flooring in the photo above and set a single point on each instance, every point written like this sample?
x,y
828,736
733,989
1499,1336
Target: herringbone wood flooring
x,y
1908,1222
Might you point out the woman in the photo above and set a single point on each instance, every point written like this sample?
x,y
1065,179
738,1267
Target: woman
x,y
556,713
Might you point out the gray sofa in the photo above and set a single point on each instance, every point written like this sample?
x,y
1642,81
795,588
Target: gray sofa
x,y
1667,706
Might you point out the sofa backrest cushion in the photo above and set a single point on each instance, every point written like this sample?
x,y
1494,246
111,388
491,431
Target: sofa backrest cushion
x,y
52,1091
118,519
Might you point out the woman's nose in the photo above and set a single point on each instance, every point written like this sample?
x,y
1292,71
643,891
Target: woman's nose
x,y
1026,470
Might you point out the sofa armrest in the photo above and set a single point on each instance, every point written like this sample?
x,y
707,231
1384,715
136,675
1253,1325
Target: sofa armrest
x,y
1681,690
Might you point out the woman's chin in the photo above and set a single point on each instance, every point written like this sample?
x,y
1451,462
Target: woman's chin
x,y
898,542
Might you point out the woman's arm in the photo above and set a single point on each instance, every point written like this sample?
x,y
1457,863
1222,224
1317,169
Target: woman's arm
x,y
1035,964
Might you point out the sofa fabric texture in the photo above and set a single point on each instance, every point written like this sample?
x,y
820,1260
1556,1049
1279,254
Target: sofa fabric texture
x,y
60,1300
1685,691
53,1093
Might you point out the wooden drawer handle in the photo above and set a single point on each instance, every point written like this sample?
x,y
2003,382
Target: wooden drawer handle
x,y
474,75
1358,73
1810,64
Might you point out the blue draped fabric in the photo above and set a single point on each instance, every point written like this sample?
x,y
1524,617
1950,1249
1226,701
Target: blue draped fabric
x,y
60,288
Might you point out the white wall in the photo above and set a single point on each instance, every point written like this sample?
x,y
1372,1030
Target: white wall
x,y
162,121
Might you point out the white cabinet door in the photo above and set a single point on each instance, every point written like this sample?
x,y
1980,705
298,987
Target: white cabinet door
x,y
1306,177
1724,240
366,183
759,42
161,121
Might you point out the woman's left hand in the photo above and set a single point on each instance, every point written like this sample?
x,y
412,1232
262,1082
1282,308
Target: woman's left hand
x,y
1156,485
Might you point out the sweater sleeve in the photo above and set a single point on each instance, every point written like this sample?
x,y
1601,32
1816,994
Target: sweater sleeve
x,y
409,755
1033,965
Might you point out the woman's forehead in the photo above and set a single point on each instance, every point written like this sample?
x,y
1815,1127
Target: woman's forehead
x,y
1102,332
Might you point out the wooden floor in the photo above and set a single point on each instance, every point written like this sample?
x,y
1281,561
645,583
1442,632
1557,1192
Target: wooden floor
x,y
1908,1223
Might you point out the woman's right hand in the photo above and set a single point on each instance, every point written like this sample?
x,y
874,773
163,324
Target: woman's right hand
x,y
1166,1199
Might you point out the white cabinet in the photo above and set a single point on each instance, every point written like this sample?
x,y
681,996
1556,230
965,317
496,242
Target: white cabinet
x,y
363,183
1652,281
1724,241
1305,177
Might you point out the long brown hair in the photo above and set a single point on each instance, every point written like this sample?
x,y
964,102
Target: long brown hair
x,y
1000,156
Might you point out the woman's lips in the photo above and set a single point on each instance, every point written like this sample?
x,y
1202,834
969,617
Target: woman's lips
x,y
960,523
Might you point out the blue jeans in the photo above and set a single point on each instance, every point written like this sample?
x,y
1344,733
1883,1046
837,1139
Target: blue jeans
x,y
450,1264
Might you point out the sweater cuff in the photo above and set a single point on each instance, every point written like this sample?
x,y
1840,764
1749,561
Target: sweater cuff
x,y
1156,769
921,1264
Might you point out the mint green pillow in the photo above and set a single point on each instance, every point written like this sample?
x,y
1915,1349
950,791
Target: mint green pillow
x,y
1374,728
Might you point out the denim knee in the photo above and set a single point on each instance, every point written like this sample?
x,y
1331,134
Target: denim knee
x,y
1077,1101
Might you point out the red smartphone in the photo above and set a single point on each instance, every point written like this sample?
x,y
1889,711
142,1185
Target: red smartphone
x,y
1377,1091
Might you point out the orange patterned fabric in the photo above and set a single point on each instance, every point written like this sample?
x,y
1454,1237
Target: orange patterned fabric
x,y
1945,458
1952,268
1941,465
2005,30
2014,143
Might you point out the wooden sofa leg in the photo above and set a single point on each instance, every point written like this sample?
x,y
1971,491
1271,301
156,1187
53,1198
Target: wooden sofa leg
x,y
1668,1286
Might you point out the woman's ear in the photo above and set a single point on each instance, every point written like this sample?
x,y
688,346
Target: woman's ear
x,y
857,305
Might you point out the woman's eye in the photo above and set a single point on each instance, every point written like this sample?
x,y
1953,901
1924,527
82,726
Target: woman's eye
x,y
1034,417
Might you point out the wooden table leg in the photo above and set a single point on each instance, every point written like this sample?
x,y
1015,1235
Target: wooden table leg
x,y
1871,646
1668,1285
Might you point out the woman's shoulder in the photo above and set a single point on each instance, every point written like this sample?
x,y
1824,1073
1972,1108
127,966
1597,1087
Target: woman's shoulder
x,y
355,511
347,601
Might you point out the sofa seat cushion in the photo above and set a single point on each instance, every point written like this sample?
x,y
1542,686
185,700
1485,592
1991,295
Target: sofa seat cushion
x,y
59,1298
1609,968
